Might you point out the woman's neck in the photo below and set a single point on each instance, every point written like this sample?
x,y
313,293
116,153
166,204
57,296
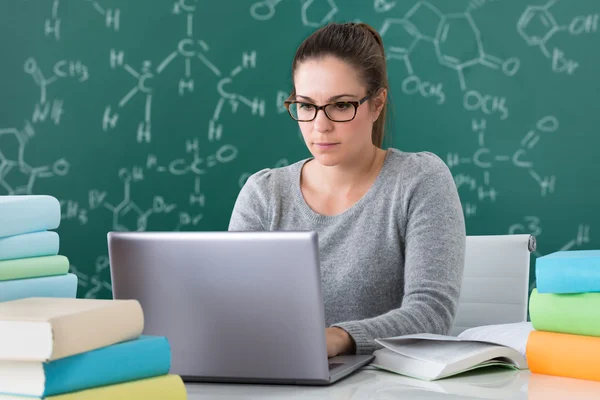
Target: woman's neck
x,y
345,177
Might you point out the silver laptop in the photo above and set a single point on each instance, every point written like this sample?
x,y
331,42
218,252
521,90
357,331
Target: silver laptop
x,y
235,306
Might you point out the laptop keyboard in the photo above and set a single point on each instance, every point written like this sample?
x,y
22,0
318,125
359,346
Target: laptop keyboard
x,y
334,365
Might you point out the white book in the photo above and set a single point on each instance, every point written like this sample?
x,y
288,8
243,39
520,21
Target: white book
x,y
47,329
430,357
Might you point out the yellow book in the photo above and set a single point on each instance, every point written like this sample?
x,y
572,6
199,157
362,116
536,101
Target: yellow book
x,y
165,387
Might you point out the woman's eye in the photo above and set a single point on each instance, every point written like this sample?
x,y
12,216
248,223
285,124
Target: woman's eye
x,y
342,106
306,106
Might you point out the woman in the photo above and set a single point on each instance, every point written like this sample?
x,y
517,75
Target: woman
x,y
390,224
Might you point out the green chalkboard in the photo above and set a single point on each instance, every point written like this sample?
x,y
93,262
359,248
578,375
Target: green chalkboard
x,y
145,115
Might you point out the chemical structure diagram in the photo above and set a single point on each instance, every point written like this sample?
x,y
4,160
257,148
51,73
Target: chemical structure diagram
x,y
265,10
484,159
382,6
62,69
532,225
52,25
189,49
127,215
17,177
537,26
446,33
93,284
477,4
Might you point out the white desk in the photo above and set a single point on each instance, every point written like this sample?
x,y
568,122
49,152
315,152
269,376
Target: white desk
x,y
379,385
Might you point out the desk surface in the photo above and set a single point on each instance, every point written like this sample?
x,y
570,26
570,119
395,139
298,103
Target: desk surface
x,y
372,384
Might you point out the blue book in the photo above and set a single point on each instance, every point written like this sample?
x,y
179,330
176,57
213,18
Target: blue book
x,y
144,357
47,286
573,271
28,245
28,213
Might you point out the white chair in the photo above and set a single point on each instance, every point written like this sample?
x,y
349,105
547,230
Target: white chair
x,y
495,288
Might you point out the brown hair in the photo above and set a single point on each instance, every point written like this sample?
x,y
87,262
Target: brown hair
x,y
359,45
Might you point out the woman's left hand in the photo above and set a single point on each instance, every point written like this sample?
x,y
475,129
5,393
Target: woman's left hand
x,y
338,341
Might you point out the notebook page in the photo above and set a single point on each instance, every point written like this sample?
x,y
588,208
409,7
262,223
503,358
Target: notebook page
x,y
512,335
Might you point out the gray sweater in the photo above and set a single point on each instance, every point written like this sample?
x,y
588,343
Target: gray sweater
x,y
392,264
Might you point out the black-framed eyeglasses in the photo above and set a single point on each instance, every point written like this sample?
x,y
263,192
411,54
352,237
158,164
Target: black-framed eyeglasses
x,y
339,111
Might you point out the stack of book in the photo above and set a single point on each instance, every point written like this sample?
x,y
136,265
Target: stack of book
x,y
85,349
29,262
565,312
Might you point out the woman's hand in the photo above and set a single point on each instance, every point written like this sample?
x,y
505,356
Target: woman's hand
x,y
339,342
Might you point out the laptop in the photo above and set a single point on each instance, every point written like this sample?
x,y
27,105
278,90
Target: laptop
x,y
243,307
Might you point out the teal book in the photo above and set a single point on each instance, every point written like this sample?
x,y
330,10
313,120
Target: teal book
x,y
28,245
28,213
48,286
572,271
144,357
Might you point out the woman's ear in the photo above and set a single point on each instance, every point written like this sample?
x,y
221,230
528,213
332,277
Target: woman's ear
x,y
378,102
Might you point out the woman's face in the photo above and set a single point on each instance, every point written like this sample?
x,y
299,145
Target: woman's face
x,y
326,80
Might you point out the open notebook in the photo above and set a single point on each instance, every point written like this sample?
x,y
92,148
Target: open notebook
x,y
431,357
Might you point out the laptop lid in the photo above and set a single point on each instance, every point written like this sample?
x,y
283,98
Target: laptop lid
x,y
235,306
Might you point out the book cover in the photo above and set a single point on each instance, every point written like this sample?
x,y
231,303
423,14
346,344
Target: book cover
x,y
144,357
572,271
578,314
28,213
36,244
33,267
45,286
163,387
46,329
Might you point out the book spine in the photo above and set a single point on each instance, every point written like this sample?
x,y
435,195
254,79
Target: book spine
x,y
49,286
560,354
26,214
569,275
33,267
146,357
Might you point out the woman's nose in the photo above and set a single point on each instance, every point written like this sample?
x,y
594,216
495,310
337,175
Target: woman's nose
x,y
321,123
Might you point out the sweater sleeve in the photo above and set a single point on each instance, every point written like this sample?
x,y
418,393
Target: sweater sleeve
x,y
434,251
251,208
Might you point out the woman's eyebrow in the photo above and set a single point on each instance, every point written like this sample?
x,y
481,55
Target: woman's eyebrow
x,y
332,98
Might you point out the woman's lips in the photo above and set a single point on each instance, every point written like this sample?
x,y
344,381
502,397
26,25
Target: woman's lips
x,y
326,145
